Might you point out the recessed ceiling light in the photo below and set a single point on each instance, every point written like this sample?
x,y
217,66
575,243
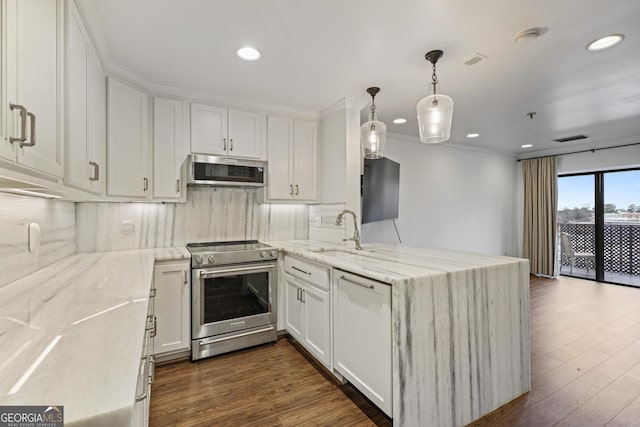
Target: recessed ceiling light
x,y
605,42
248,53
473,135
400,121
527,146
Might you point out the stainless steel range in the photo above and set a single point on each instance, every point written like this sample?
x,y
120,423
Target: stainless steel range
x,y
233,296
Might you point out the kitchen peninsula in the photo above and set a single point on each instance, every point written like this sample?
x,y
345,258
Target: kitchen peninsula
x,y
458,329
460,326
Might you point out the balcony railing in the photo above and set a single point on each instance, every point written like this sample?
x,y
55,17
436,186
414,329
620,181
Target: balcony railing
x,y
621,246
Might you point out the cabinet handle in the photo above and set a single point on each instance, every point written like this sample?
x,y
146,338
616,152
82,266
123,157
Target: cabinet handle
x,y
356,283
23,123
298,294
224,144
152,369
297,189
145,182
96,171
152,293
185,277
154,331
291,189
231,144
177,186
300,270
302,299
33,131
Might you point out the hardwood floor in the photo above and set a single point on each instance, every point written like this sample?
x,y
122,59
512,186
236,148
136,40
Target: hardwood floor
x,y
585,357
585,343
269,385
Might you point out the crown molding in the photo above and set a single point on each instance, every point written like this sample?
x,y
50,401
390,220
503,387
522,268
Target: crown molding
x,y
114,69
611,143
92,23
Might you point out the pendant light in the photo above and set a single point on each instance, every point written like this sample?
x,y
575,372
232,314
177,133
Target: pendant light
x,y
373,134
435,111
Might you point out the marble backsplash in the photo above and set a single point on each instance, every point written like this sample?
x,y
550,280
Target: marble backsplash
x,y
322,223
58,234
210,214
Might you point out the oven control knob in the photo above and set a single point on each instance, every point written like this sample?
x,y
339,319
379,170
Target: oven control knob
x,y
272,254
211,259
263,254
199,259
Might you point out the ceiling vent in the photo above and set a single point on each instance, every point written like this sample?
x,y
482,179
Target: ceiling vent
x,y
474,59
571,138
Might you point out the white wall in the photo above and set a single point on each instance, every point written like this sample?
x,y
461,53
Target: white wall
x,y
451,197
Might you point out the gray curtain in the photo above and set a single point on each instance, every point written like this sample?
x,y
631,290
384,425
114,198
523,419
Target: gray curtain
x,y
540,214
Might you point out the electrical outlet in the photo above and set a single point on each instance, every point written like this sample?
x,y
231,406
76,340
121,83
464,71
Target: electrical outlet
x,y
318,221
126,226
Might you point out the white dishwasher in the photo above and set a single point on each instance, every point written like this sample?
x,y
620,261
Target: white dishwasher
x,y
362,336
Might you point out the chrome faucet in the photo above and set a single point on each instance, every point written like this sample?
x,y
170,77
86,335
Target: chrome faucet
x,y
356,233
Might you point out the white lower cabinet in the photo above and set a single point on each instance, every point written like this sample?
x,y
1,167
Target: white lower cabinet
x,y
308,310
146,373
172,306
362,336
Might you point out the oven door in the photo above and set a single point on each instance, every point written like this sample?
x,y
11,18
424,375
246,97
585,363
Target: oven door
x,y
232,298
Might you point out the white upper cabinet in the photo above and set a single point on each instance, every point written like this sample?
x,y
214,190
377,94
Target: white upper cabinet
x,y
293,164
34,63
85,112
77,138
128,153
223,132
97,118
168,152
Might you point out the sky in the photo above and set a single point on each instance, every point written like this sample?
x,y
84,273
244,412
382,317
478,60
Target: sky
x,y
620,188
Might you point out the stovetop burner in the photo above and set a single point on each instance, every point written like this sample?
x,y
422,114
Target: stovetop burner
x,y
225,253
242,245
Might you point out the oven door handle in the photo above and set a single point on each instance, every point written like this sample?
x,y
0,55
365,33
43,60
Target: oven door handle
x,y
213,341
213,273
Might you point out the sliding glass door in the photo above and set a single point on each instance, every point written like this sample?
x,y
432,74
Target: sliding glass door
x,y
599,226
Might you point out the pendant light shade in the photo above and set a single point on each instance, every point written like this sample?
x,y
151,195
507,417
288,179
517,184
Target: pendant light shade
x,y
435,112
373,134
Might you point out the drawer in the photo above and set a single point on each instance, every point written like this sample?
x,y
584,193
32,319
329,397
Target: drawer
x,y
317,275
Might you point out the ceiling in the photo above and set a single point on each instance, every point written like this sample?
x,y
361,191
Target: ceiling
x,y
317,52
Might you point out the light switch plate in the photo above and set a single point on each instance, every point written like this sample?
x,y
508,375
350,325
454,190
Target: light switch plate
x,y
34,237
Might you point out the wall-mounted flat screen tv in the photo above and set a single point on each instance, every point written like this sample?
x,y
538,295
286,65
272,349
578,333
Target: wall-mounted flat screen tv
x,y
380,190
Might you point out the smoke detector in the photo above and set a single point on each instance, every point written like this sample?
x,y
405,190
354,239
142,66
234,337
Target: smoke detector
x,y
529,35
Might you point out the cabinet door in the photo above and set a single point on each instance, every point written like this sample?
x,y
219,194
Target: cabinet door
x,y
172,307
77,148
35,48
305,162
97,118
294,316
317,324
208,130
245,134
127,141
167,148
280,158
362,336
6,148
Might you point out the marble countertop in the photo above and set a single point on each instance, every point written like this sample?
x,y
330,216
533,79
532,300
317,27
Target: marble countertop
x,y
391,263
72,333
